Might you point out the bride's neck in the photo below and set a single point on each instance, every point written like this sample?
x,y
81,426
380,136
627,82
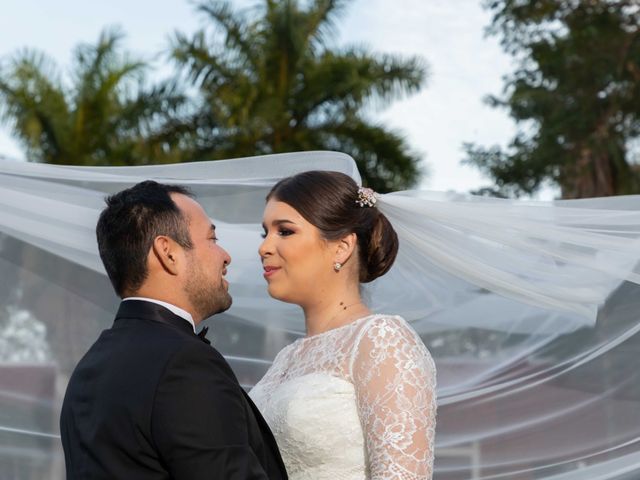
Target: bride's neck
x,y
329,313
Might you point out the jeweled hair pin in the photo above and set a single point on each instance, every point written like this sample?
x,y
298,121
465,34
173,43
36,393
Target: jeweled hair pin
x,y
366,197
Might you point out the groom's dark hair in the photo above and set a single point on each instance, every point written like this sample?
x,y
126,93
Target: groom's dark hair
x,y
128,226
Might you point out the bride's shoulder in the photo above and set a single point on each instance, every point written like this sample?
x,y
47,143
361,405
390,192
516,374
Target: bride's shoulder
x,y
285,351
388,330
391,336
382,324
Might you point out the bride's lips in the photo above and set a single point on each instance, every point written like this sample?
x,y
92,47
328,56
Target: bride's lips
x,y
268,271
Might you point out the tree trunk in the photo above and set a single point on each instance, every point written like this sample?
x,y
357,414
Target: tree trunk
x,y
593,175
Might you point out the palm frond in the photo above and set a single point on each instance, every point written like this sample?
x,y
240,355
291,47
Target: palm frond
x,y
233,24
351,79
204,68
321,20
382,155
33,104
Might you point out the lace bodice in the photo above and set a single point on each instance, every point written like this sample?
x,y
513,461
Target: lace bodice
x,y
354,402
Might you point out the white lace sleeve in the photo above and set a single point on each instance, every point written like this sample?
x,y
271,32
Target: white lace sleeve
x,y
394,377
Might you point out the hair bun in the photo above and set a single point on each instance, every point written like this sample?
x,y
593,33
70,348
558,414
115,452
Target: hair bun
x,y
382,249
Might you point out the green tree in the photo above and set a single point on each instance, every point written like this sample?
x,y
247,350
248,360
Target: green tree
x,y
107,116
270,83
575,97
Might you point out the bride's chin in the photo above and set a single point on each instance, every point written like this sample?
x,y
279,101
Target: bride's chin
x,y
273,292
279,294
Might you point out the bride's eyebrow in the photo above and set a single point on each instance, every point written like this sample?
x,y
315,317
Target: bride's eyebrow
x,y
279,222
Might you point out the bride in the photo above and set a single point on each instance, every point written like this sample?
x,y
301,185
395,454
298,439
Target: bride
x,y
355,397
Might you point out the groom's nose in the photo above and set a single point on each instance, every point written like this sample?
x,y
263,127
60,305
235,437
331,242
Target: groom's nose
x,y
226,257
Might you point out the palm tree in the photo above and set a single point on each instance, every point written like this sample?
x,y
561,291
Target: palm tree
x,y
273,85
106,117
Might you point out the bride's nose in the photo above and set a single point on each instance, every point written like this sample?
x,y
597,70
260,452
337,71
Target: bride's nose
x,y
265,247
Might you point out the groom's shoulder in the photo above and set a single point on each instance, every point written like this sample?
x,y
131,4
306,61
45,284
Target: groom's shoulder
x,y
181,348
167,338
150,339
198,360
163,348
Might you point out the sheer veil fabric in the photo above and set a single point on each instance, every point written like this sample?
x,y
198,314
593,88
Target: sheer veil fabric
x,y
531,311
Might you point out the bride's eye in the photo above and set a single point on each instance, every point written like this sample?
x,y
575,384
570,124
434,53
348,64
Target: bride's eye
x,y
283,232
263,235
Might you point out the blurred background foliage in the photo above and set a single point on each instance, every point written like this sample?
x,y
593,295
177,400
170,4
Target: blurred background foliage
x,y
269,79
575,98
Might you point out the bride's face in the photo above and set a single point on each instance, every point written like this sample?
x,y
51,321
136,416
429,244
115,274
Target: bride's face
x,y
297,261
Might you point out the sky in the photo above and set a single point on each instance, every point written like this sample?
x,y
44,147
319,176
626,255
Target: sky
x,y
464,65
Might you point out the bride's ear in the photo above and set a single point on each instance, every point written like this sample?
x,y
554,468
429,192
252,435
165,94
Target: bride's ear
x,y
345,248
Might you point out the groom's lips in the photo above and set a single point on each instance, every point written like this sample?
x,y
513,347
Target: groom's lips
x,y
268,271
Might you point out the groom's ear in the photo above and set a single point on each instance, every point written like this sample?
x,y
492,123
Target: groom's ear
x,y
167,254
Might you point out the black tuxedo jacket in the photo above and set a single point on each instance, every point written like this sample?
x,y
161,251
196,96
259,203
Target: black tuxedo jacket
x,y
151,400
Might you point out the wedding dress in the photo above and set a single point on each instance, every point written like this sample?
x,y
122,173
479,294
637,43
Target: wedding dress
x,y
355,402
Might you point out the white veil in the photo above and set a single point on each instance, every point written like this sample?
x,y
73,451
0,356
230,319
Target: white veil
x,y
530,309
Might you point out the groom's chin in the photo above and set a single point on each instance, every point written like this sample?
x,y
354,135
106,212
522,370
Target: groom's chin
x,y
222,304
225,303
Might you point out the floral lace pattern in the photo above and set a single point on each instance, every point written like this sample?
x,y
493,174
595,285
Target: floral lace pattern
x,y
354,402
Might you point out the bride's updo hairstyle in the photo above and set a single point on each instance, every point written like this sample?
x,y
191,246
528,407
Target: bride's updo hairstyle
x,y
328,200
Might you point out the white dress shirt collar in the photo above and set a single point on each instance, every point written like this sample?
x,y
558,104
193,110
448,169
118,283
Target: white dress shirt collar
x,y
176,310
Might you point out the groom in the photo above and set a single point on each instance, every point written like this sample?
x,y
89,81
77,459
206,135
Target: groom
x,y
151,399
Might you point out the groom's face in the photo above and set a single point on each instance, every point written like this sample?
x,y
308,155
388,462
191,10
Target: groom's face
x,y
206,263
